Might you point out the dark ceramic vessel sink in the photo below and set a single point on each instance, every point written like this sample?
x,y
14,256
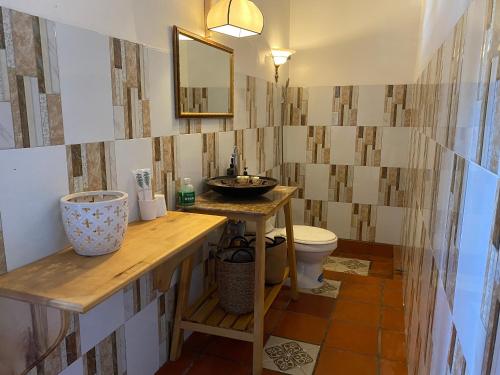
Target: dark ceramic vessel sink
x,y
242,186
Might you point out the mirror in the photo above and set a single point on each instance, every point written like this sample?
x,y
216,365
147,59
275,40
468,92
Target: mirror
x,y
203,74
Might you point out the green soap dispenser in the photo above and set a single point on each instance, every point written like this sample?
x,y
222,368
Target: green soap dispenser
x,y
186,194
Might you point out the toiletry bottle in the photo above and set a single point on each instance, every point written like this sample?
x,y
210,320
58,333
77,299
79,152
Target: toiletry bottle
x,y
186,194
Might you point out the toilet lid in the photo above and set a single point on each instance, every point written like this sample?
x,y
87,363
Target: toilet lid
x,y
312,236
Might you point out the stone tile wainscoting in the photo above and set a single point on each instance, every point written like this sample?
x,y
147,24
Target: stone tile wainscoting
x,y
452,224
346,148
79,111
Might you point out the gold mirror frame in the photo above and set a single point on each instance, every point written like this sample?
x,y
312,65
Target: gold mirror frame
x,y
177,81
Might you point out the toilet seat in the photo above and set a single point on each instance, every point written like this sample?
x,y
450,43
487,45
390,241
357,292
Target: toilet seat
x,y
309,238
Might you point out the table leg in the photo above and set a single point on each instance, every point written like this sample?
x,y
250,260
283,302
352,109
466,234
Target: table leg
x,y
292,260
260,271
182,302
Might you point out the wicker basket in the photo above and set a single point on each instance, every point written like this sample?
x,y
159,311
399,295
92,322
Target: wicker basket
x,y
276,259
235,279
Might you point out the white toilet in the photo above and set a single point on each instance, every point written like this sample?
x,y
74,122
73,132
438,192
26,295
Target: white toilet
x,y
312,247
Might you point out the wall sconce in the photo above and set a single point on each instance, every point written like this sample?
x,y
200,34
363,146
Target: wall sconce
x,y
280,57
238,18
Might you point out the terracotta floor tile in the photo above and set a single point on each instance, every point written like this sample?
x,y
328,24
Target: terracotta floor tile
x,y
393,346
281,302
319,306
359,292
380,268
197,342
332,275
393,319
365,248
365,280
393,297
233,350
215,365
265,371
393,368
358,312
336,362
352,337
302,327
395,284
178,367
273,319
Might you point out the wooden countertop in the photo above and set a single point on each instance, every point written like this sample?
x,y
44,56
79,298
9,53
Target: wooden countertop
x,y
264,205
71,282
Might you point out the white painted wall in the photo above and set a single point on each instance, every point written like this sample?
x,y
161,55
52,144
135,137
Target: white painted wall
x,y
355,42
149,22
438,17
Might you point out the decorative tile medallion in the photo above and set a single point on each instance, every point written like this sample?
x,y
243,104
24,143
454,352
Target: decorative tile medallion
x,y
347,265
330,289
289,356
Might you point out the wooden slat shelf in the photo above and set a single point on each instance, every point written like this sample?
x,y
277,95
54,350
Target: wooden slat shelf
x,y
71,282
207,312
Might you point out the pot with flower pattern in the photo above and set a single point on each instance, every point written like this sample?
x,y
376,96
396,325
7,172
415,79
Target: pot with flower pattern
x,y
95,221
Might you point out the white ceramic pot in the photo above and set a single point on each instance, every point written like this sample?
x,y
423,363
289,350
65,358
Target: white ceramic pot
x,y
95,221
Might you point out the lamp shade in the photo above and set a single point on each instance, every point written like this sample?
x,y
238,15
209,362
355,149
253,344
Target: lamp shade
x,y
238,18
281,55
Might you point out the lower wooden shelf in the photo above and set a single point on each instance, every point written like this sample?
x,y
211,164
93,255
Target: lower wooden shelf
x,y
207,316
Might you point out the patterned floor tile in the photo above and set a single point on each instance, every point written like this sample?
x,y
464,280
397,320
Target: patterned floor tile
x,y
329,289
290,356
347,265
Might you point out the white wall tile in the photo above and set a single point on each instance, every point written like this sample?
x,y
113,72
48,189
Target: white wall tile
x,y
260,102
339,219
320,106
389,222
250,150
76,368
395,147
161,94
317,178
441,334
132,154
240,119
85,77
226,145
6,129
197,282
295,144
365,185
101,321
269,148
477,222
343,145
189,158
142,342
371,105
298,206
33,180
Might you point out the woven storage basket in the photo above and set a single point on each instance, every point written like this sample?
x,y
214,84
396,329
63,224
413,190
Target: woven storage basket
x,y
235,280
276,259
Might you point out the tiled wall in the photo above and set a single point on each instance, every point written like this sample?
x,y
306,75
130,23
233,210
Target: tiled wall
x,y
79,111
346,148
451,231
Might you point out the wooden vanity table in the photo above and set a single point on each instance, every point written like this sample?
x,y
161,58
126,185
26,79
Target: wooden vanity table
x,y
205,315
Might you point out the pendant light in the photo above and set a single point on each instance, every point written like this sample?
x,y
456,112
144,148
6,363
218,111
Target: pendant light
x,y
238,18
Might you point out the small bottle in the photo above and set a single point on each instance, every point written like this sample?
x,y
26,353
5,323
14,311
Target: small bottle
x,y
186,193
